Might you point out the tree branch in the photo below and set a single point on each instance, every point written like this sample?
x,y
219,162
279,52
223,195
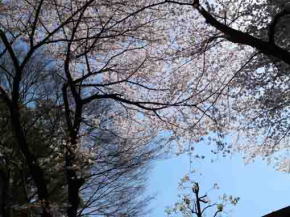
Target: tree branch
x,y
240,37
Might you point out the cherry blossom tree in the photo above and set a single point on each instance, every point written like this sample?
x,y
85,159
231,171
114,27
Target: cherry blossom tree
x,y
264,86
122,51
258,94
252,101
106,155
162,65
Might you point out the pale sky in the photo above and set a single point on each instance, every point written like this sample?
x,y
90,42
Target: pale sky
x,y
261,188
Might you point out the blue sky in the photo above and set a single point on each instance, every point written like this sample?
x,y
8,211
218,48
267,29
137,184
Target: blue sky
x,y
261,188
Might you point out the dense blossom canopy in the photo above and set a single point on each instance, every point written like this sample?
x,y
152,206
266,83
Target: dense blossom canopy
x,y
166,71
